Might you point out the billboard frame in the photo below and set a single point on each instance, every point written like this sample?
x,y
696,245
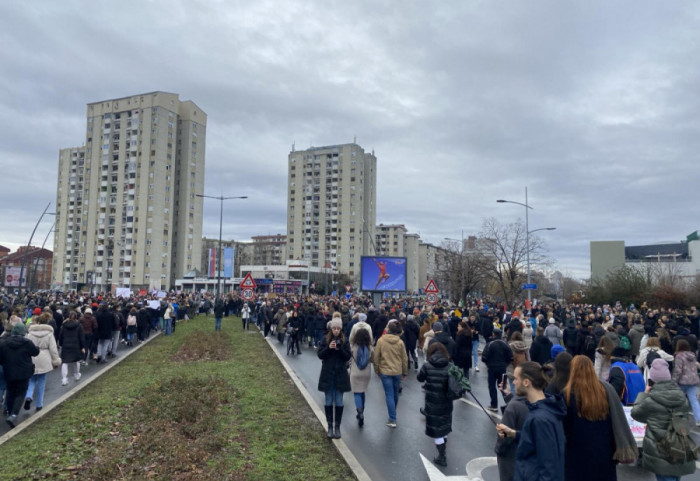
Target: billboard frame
x,y
376,289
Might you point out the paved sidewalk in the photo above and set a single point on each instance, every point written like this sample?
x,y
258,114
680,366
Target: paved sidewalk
x,y
55,393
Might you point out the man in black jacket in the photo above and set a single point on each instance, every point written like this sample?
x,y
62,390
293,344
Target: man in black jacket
x,y
540,348
16,353
443,337
497,355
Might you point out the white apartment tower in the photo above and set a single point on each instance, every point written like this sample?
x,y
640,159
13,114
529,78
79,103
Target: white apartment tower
x,y
331,206
126,210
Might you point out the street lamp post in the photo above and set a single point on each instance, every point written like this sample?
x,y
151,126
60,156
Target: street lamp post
x,y
527,237
36,262
24,256
461,261
221,199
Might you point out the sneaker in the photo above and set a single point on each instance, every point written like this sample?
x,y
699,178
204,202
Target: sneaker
x,y
76,376
492,409
83,363
38,408
27,403
391,424
11,421
64,381
477,368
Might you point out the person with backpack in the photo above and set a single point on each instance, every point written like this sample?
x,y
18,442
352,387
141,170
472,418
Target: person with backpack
x,y
651,352
685,374
657,406
360,369
625,377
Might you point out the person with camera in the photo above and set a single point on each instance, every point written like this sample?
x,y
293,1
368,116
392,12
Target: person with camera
x,y
391,365
334,380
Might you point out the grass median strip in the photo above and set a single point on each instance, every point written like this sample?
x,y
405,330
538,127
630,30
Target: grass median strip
x,y
197,405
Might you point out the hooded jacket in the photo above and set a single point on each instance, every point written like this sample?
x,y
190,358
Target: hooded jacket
x,y
685,369
16,357
540,452
72,341
42,337
540,349
652,408
438,408
390,356
333,367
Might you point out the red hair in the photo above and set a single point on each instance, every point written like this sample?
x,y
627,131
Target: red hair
x,y
591,399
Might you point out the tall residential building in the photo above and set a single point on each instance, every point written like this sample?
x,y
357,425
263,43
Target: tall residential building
x,y
269,250
126,210
389,240
331,206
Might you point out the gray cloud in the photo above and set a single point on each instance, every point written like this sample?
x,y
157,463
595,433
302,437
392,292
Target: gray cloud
x,y
591,105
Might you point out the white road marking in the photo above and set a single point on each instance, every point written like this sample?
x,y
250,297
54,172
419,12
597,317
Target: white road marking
x,y
474,469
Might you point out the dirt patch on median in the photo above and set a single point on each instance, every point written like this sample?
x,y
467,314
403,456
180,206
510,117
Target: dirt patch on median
x,y
204,346
173,435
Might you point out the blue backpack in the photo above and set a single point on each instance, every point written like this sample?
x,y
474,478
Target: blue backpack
x,y
362,358
634,381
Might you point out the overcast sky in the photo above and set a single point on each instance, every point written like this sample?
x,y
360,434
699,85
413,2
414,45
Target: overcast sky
x,y
593,105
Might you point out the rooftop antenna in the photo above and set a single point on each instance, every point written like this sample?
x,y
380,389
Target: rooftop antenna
x,y
293,144
354,139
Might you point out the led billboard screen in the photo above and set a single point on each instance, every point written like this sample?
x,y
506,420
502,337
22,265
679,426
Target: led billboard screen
x,y
383,274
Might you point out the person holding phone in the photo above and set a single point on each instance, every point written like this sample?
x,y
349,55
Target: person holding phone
x,y
334,380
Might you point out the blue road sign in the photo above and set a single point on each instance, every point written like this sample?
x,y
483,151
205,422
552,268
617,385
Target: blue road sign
x,y
348,295
529,286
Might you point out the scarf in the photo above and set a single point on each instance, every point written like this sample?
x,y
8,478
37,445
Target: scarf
x,y
626,451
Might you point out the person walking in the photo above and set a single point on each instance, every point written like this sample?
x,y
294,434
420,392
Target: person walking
x,y
41,334
514,417
410,338
541,441
651,351
72,341
360,375
16,352
89,324
105,321
685,374
655,407
592,416
496,355
334,352
438,407
391,365
463,348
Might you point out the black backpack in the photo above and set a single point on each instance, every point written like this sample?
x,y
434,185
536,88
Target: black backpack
x,y
589,344
676,446
651,356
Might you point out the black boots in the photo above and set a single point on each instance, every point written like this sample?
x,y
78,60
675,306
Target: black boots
x,y
329,420
338,419
360,417
441,458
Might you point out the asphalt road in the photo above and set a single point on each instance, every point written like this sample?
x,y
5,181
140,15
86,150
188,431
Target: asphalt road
x,y
406,452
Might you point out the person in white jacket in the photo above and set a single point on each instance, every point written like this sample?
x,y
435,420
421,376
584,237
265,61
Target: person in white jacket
x,y
652,345
41,334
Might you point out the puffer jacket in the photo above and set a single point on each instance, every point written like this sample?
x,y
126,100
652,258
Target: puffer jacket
x,y
685,369
390,356
16,354
72,341
438,408
42,337
652,408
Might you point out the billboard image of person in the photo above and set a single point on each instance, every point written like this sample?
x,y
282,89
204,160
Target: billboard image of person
x,y
383,274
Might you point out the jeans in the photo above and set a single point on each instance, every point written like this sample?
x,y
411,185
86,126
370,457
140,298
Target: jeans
x,y
103,347
661,477
37,382
475,353
691,392
115,341
217,324
334,397
391,391
318,335
359,400
168,326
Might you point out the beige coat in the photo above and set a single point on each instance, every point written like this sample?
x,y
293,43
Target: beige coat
x,y
357,327
390,356
359,378
42,337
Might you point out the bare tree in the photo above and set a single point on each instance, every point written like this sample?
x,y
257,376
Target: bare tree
x,y
463,270
504,251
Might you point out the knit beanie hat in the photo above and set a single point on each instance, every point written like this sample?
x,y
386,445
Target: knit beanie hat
x,y
556,349
37,311
659,371
437,326
19,330
335,322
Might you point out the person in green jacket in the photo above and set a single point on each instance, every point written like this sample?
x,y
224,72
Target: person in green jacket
x,y
653,408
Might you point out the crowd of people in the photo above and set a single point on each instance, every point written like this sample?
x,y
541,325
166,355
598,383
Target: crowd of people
x,y
564,372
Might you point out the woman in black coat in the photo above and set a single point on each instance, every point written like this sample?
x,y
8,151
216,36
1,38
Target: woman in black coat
x,y
410,339
71,338
463,348
438,408
334,380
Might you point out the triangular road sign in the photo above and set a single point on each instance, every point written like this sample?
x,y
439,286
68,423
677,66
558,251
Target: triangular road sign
x,y
431,288
248,282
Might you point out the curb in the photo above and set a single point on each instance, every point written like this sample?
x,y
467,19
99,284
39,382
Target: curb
x,y
340,445
47,409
